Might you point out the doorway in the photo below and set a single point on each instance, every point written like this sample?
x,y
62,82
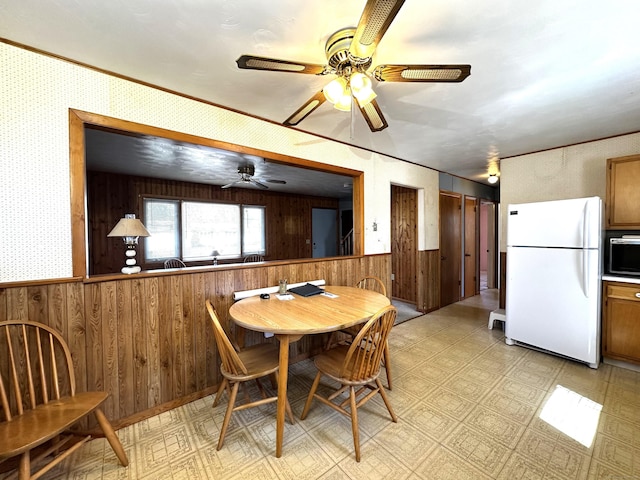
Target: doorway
x,y
404,243
488,247
450,247
471,270
324,232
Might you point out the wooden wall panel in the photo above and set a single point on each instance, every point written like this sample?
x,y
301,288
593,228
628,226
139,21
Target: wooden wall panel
x,y
147,339
140,377
153,340
110,196
428,294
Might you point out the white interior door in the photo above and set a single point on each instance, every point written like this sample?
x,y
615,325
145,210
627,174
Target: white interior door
x,y
324,232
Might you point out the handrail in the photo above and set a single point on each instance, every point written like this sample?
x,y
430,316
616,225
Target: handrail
x,y
346,244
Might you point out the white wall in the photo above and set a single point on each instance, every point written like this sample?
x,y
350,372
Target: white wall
x,y
37,93
569,172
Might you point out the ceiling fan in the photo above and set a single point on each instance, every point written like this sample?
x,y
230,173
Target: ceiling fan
x,y
349,54
246,173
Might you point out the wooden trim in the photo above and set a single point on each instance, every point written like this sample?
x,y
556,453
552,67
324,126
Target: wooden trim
x,y
77,121
48,281
77,195
219,267
358,215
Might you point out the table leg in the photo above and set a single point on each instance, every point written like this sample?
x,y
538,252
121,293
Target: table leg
x,y
283,375
282,391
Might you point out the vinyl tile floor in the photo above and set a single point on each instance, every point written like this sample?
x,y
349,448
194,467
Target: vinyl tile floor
x,y
468,406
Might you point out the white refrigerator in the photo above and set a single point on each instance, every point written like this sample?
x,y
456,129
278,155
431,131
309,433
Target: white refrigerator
x,y
554,271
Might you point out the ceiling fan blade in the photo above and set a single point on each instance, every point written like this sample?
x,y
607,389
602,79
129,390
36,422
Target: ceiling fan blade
x,y
376,18
251,62
373,115
229,184
308,107
258,184
421,73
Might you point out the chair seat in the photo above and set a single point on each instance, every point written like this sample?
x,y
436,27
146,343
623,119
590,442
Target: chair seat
x,y
259,360
34,427
331,363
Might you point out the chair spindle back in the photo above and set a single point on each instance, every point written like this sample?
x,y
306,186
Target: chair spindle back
x,y
27,378
230,360
364,358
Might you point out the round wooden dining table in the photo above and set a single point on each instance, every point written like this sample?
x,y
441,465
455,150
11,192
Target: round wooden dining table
x,y
339,307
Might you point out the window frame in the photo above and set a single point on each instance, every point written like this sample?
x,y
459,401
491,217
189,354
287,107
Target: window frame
x,y
180,234
79,120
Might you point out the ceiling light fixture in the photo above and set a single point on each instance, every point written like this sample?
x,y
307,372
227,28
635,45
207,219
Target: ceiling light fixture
x,y
493,178
340,90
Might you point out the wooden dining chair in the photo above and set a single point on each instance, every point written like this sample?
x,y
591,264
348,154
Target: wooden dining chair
x,y
39,400
372,283
355,366
174,263
239,366
375,284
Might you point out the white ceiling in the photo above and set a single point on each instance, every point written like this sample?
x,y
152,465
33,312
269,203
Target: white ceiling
x,y
544,74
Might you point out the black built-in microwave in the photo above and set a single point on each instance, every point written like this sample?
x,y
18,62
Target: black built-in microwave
x,y
622,253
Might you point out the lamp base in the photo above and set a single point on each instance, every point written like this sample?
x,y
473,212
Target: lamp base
x,y
130,270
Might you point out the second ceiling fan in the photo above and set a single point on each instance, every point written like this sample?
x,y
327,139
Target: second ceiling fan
x,y
349,54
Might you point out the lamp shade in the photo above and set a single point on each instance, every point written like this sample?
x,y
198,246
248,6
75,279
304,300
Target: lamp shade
x,y
129,226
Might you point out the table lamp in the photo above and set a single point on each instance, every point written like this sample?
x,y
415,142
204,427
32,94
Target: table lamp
x,y
129,228
215,254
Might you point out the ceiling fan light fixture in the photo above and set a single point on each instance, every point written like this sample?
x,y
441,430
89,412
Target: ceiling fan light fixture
x,y
344,104
361,88
337,92
335,89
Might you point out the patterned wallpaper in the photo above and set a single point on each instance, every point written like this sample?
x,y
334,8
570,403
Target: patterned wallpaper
x,y
561,173
37,93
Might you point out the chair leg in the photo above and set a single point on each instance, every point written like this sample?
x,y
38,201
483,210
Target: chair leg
x,y
327,345
274,381
386,400
112,438
227,415
387,364
307,405
354,422
224,384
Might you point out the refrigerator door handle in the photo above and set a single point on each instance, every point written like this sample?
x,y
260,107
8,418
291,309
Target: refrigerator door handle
x,y
586,264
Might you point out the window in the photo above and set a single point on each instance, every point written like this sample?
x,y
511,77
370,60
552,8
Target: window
x,y
162,220
194,230
253,228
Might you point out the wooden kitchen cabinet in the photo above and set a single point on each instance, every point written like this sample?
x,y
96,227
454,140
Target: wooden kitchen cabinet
x,y
623,193
621,322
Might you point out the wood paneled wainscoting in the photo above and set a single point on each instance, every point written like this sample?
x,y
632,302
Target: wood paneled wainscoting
x,y
146,339
428,280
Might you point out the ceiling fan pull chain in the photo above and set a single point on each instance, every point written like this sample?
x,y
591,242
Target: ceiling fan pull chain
x,y
353,113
